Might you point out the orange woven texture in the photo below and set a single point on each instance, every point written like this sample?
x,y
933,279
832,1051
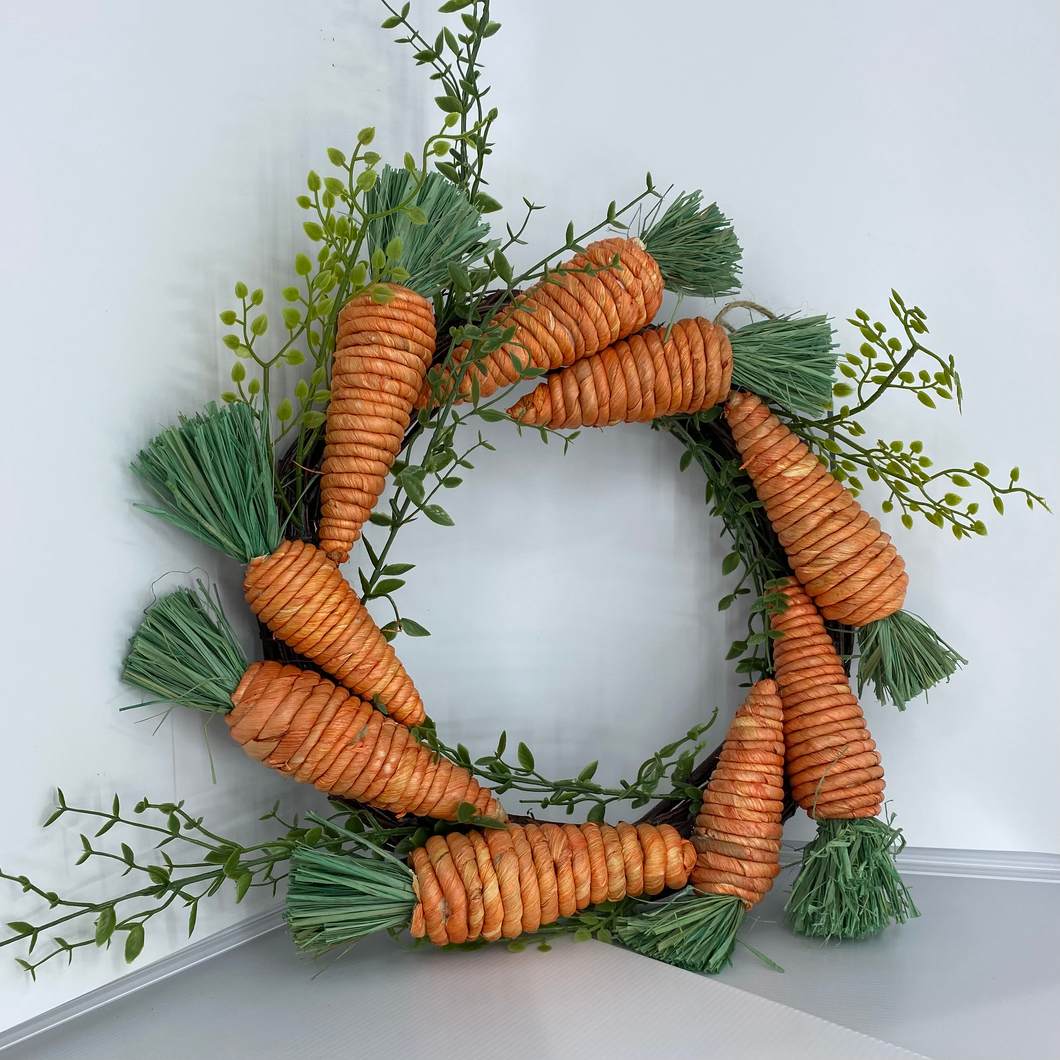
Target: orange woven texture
x,y
308,728
303,598
571,316
501,882
844,561
637,380
833,767
738,829
382,353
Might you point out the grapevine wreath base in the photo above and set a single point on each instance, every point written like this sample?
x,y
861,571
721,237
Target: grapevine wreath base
x,y
417,326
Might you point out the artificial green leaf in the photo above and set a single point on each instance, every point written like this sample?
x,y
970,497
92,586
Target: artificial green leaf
x,y
134,943
526,758
413,629
105,924
437,514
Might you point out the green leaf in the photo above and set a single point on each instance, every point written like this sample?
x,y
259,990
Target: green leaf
x,y
999,504
242,886
596,814
924,399
726,602
449,104
589,771
388,585
464,812
313,419
730,563
302,265
582,935
134,943
413,629
491,415
526,759
294,357
489,30
291,317
454,5
415,215
105,924
378,518
437,514
486,203
397,568
842,390
285,410
366,136
241,290
459,275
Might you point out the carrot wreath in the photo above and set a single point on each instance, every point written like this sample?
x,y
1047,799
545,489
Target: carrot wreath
x,y
294,720
489,884
384,345
214,479
848,885
737,840
685,367
611,290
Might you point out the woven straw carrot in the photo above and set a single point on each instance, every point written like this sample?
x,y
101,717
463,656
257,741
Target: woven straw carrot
x,y
308,728
213,476
294,720
848,885
609,291
659,372
382,353
738,829
482,885
844,561
832,764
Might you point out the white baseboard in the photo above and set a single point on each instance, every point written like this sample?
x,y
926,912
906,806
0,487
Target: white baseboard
x,y
1013,865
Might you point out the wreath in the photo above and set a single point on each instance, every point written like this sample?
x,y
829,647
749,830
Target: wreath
x,y
409,328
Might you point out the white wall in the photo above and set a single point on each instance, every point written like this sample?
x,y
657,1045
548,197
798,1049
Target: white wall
x,y
151,156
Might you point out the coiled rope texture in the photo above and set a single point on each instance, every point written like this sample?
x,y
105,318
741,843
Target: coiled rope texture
x,y
303,598
572,315
833,767
382,353
844,561
501,882
738,829
659,372
309,729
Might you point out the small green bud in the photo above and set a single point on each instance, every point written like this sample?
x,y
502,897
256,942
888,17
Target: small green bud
x,y
916,447
451,120
254,386
334,185
291,317
378,259
241,290
371,158
366,179
440,148
410,163
301,390
228,397
366,136
907,521
1014,474
304,201
260,324
952,499
257,297
313,181
228,317
285,410
290,294
336,156
239,373
393,249
302,265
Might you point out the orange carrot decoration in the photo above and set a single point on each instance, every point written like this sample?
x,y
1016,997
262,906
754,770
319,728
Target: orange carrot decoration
x,y
491,884
848,885
845,562
382,353
659,372
737,840
294,720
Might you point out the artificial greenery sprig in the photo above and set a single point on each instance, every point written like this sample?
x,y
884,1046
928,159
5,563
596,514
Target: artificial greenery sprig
x,y
523,775
454,59
885,364
755,548
207,862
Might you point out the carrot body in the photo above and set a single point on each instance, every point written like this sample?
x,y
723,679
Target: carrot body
x,y
303,598
308,728
571,316
738,829
501,882
844,561
832,763
382,353
659,372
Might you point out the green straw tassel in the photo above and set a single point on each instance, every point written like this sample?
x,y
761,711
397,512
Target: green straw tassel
x,y
692,931
790,360
848,886
903,657
338,899
694,246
